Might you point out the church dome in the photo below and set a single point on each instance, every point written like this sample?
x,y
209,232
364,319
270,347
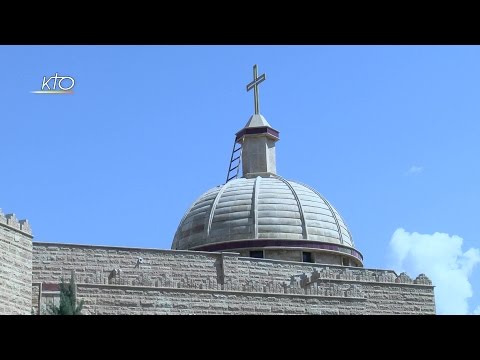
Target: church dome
x,y
263,212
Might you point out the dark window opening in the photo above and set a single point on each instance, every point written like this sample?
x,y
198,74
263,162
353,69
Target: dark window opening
x,y
307,257
345,261
256,254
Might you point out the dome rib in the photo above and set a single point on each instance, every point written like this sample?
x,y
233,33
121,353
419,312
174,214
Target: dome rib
x,y
261,208
299,203
176,238
332,211
256,188
212,209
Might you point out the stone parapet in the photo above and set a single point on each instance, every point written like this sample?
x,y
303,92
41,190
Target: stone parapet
x,y
188,276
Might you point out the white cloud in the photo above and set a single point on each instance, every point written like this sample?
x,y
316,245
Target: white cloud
x,y
441,258
477,311
414,170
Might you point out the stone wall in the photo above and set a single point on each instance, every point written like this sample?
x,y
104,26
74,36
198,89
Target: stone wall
x,y
114,280
123,266
15,265
385,291
112,299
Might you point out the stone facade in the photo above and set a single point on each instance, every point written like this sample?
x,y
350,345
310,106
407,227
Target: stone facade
x,y
15,265
119,280
116,280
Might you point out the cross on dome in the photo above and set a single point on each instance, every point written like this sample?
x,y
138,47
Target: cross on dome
x,y
254,85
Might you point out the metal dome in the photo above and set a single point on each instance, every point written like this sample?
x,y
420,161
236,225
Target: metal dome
x,y
263,208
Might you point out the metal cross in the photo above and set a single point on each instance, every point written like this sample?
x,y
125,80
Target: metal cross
x,y
254,85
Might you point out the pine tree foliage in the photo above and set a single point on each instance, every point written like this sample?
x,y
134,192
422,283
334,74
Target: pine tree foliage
x,y
68,299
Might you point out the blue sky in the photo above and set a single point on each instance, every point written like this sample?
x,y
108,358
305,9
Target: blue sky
x,y
388,134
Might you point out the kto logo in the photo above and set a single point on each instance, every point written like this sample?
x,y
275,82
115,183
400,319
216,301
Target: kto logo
x,y
59,85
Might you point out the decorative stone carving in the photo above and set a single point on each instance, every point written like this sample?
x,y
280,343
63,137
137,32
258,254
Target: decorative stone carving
x,y
25,226
403,278
114,277
315,275
422,279
13,221
354,291
144,280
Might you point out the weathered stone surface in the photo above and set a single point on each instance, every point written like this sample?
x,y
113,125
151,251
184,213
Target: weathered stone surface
x,y
15,267
112,281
